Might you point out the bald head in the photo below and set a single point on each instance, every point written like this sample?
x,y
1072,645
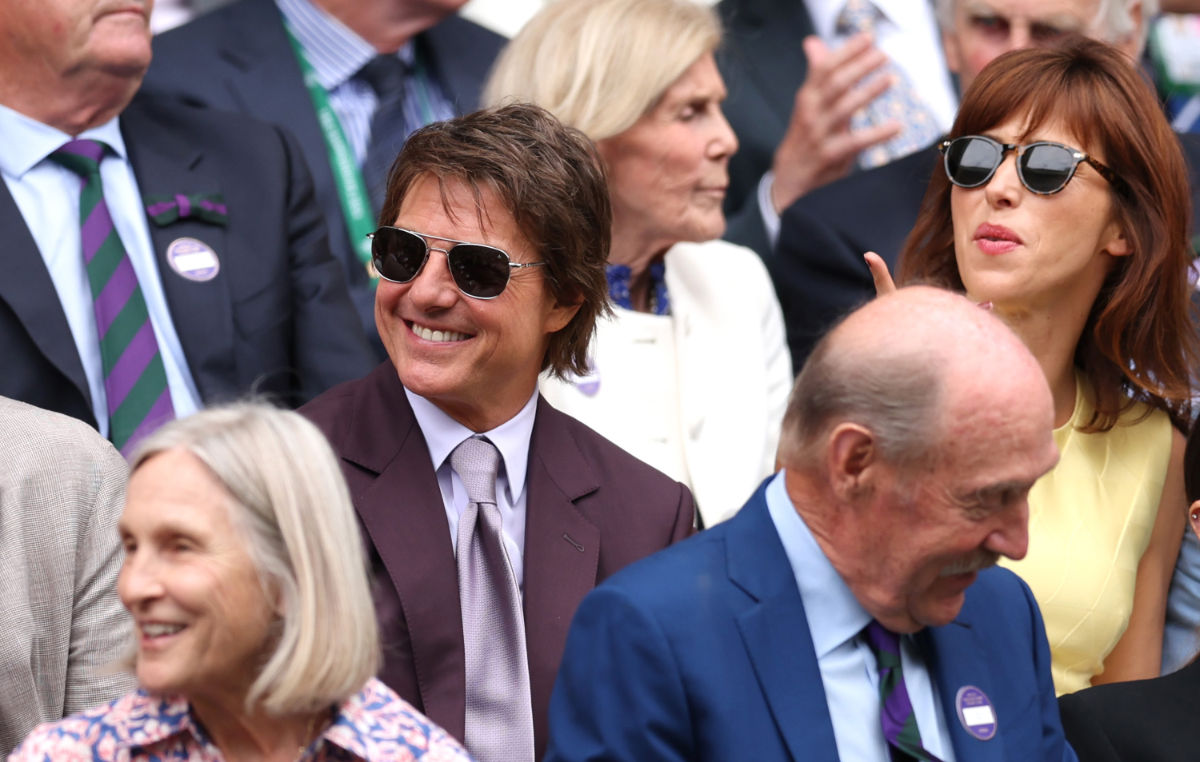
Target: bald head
x,y
913,436
905,366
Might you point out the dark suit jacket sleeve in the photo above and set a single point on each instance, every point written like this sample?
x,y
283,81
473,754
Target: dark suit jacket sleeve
x,y
818,277
328,346
1084,730
619,695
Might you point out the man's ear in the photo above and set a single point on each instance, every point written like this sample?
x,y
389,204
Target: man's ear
x,y
850,456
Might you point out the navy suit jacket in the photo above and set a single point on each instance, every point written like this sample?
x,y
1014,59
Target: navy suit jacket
x,y
763,65
238,58
818,267
276,319
591,508
703,652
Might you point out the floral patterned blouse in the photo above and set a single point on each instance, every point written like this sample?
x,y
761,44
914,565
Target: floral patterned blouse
x,y
374,725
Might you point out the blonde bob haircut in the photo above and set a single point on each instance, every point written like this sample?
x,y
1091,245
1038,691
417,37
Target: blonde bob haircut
x,y
288,497
599,65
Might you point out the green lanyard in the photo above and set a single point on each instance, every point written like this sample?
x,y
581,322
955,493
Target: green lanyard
x,y
352,192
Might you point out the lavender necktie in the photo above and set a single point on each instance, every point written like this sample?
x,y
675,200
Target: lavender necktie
x,y
135,381
896,712
899,102
499,721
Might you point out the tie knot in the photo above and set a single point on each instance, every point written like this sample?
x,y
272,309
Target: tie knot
x,y
476,461
80,156
384,73
857,16
882,640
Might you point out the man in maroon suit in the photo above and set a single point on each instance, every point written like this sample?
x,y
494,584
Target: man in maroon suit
x,y
491,271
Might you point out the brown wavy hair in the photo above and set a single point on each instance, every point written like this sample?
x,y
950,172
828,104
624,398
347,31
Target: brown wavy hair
x,y
1138,343
550,179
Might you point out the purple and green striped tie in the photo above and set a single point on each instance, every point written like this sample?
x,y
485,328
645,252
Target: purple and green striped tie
x,y
135,382
896,712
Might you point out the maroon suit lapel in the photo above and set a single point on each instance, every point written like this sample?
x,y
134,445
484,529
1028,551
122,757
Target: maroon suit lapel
x,y
562,551
403,513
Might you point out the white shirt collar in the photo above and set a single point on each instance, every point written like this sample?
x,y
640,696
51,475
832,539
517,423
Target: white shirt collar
x,y
28,141
443,434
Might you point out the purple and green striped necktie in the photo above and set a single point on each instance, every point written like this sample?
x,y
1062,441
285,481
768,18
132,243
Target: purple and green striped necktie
x,y
896,712
135,381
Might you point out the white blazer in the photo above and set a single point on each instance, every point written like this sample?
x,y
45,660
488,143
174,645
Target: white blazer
x,y
734,373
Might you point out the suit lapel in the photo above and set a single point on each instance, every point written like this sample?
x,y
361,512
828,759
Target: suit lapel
x,y
775,632
29,292
267,81
956,659
562,549
165,164
405,518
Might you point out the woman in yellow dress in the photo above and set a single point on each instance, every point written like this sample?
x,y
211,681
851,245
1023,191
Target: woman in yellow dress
x,y
1063,207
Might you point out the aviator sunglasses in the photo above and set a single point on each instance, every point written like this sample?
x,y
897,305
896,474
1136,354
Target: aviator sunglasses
x,y
1043,167
479,271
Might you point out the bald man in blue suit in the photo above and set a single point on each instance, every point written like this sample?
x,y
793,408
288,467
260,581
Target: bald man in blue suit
x,y
747,641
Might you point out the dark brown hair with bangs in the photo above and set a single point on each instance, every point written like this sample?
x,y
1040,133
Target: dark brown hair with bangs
x,y
550,179
1138,342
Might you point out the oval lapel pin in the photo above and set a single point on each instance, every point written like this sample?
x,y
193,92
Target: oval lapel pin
x,y
193,259
975,712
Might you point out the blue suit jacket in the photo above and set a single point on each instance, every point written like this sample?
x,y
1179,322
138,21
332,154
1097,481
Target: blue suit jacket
x,y
703,652
238,58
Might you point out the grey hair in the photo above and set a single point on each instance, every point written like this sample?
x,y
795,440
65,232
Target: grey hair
x,y
599,65
896,394
1114,18
289,498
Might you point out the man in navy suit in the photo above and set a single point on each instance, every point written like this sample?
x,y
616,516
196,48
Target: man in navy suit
x,y
253,56
215,217
909,447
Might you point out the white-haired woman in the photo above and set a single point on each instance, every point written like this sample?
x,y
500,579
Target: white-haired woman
x,y
247,583
692,372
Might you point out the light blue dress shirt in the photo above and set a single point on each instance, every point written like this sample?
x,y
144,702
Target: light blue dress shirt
x,y
336,54
848,671
47,196
443,434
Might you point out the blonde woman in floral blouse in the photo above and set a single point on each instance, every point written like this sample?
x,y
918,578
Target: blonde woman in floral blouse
x,y
256,637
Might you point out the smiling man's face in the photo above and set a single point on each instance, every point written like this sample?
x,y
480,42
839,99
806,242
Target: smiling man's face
x,y
478,360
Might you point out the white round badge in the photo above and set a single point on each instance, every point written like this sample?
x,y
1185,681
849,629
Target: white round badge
x,y
193,259
975,712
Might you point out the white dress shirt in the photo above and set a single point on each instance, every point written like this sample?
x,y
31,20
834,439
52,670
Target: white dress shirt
x,y
47,195
511,438
848,669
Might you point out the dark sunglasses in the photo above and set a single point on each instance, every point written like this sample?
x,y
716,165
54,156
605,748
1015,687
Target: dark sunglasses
x,y
1043,167
479,271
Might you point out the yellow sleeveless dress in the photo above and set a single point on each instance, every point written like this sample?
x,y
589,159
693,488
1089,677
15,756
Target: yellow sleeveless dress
x,y
1090,520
